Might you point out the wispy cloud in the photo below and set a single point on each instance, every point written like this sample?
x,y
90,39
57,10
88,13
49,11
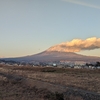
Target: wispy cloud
x,y
83,3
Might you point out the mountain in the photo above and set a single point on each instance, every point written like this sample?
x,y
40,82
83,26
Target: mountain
x,y
60,52
50,56
65,52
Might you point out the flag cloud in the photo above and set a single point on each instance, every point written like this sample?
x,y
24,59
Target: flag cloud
x,y
83,3
77,45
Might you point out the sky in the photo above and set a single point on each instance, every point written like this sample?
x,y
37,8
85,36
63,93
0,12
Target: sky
x,y
28,27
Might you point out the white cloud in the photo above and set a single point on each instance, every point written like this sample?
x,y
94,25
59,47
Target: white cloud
x,y
82,3
77,45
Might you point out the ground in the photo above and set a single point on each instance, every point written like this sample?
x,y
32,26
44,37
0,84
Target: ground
x,y
42,83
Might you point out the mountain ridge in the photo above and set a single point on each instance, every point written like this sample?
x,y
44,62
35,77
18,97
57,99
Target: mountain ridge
x,y
50,56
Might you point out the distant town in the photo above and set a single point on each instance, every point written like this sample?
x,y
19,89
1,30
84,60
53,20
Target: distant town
x,y
59,64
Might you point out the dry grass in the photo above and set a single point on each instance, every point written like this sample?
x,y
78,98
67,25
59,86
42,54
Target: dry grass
x,y
78,78
18,91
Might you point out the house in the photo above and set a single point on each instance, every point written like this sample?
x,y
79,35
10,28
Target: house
x,y
54,65
98,67
77,67
87,67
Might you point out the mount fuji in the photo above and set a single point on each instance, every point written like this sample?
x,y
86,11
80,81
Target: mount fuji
x,y
51,56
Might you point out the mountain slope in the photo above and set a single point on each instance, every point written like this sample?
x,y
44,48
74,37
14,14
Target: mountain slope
x,y
48,56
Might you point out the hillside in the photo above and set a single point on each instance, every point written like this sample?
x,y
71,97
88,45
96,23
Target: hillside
x,y
48,56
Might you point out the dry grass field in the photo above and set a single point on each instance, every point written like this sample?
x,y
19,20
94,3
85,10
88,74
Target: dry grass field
x,y
45,83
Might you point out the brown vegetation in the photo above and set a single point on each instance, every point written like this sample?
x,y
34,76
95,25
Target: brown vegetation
x,y
37,83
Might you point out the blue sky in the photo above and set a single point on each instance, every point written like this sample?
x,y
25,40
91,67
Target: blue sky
x,y
31,26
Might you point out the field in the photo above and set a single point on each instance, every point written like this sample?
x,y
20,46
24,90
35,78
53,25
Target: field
x,y
45,83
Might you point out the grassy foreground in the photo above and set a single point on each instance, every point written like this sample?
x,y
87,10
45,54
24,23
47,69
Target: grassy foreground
x,y
48,83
